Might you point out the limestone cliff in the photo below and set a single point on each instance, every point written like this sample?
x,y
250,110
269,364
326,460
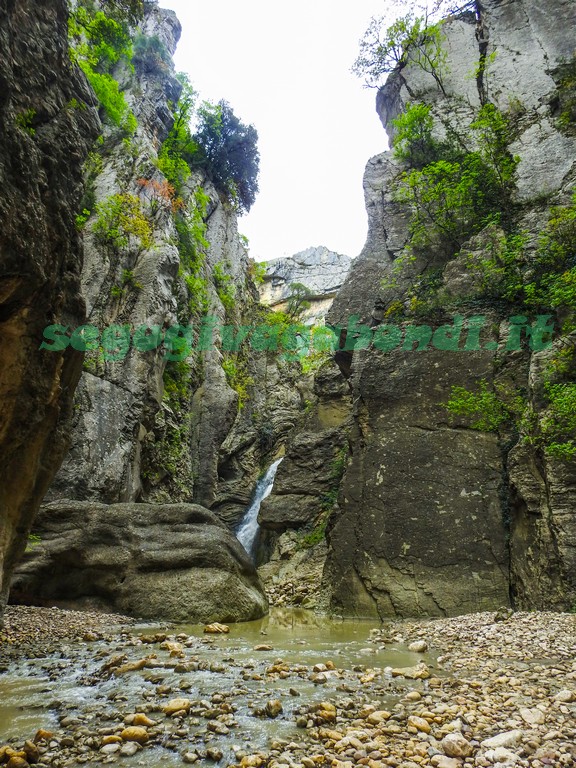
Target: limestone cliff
x,y
44,140
433,517
321,271
447,519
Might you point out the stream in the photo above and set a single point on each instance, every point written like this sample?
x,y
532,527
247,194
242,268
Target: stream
x,y
226,677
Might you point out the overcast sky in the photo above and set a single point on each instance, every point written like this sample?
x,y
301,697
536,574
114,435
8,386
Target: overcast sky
x,y
285,68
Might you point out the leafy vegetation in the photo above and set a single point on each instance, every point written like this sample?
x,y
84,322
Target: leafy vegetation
x,y
225,287
151,56
453,196
228,151
318,533
488,411
558,424
257,271
238,378
179,150
222,146
413,38
565,76
25,120
98,42
298,301
121,221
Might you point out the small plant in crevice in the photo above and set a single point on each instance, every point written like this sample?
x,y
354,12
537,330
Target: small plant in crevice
x,y
487,409
238,378
225,287
329,500
25,120
122,222
565,102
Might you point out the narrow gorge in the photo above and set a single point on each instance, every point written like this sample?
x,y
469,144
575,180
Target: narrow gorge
x,y
191,439
444,518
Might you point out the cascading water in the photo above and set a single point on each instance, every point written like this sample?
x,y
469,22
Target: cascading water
x,y
247,533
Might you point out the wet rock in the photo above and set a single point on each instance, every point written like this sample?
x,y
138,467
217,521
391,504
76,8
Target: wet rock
x,y
167,561
177,705
141,719
110,749
216,629
16,761
42,735
135,733
129,749
273,708
419,672
190,757
419,646
32,752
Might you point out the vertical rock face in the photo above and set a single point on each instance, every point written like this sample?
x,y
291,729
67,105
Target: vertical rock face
x,y
444,519
44,141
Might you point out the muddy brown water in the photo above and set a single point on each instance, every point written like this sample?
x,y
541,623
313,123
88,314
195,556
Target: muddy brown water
x,y
37,693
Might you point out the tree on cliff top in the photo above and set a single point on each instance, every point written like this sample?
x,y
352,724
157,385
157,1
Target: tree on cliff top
x,y
416,37
228,149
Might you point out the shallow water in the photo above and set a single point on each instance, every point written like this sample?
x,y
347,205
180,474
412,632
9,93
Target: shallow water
x,y
37,693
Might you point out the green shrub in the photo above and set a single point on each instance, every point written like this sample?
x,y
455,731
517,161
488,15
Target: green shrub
x,y
565,77
553,270
228,152
121,221
179,152
413,142
488,411
411,39
225,287
112,100
455,196
500,270
238,379
24,121
558,424
257,271
97,43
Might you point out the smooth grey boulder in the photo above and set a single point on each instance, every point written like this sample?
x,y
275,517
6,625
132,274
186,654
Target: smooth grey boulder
x,y
174,562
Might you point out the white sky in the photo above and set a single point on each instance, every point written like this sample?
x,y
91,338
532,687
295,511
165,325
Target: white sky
x,y
285,68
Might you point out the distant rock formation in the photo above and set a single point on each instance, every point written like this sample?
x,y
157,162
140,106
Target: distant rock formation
x,y
322,271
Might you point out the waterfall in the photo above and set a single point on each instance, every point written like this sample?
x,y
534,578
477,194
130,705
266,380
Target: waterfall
x,y
247,532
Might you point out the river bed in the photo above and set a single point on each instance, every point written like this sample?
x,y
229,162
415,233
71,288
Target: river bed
x,y
68,686
292,691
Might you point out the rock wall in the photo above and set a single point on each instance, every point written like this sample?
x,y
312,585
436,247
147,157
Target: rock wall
x,y
43,144
445,519
431,516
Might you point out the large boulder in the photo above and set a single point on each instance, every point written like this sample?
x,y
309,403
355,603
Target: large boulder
x,y
168,561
